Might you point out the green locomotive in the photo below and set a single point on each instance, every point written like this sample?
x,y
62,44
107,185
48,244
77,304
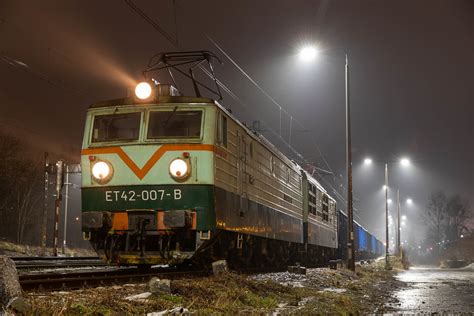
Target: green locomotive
x,y
168,179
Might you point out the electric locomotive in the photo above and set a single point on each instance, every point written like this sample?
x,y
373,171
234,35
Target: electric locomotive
x,y
168,179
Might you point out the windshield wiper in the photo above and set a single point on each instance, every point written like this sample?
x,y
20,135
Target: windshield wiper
x,y
170,116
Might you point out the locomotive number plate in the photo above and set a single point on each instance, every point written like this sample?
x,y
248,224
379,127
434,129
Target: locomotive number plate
x,y
143,195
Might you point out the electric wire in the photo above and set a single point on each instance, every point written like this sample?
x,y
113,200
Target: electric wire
x,y
239,100
150,21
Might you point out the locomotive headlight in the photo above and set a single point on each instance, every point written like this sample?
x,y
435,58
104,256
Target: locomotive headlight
x,y
143,90
102,172
180,169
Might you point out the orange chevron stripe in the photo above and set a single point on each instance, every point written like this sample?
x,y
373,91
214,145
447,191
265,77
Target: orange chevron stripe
x,y
142,172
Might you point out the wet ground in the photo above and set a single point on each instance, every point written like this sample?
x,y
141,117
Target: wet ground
x,y
432,289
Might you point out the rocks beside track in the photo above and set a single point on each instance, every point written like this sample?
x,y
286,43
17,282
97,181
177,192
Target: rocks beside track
x,y
11,295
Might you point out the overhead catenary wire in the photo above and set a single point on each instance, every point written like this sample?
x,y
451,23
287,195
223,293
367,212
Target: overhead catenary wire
x,y
53,82
154,24
239,100
278,105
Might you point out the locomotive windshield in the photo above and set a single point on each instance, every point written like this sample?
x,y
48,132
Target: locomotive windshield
x,y
116,127
174,124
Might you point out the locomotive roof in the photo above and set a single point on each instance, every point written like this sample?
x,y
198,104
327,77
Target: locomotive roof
x,y
159,99
165,99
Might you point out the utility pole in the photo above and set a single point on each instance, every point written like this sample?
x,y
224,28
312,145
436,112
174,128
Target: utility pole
x,y
44,223
350,218
57,203
387,264
65,209
399,249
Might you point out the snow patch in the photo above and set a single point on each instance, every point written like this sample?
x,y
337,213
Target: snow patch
x,y
469,267
174,311
334,290
142,297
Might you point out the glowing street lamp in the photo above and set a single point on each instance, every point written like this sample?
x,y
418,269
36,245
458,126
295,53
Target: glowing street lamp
x,y
367,161
409,201
405,162
308,54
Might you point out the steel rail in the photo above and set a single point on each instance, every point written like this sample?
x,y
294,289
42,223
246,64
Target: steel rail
x,y
75,280
51,258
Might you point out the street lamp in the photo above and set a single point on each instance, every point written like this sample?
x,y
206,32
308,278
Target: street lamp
x,y
309,53
403,218
404,162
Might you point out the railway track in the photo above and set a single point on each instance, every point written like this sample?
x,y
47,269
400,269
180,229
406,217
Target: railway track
x,y
51,258
75,280
37,263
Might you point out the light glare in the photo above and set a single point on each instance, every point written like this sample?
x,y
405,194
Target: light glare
x,y
367,161
100,170
179,168
389,201
405,162
409,201
308,53
143,90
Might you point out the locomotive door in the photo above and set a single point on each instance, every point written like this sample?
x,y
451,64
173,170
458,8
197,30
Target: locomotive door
x,y
242,173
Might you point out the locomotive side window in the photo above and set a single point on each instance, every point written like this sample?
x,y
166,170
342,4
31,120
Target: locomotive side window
x,y
116,127
325,208
311,199
174,124
222,130
319,203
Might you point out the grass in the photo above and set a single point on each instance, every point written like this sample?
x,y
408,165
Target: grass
x,y
26,250
366,291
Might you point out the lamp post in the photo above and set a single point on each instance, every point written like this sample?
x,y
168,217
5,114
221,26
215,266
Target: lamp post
x,y
387,264
409,201
308,54
399,250
404,162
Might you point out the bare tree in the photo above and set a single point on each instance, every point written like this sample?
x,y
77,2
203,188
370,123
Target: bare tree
x,y
27,198
20,189
457,215
446,219
434,218
10,148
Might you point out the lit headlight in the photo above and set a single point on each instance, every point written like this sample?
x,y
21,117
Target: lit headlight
x,y
180,169
102,172
143,90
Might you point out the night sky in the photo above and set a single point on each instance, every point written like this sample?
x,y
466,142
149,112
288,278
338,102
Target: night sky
x,y
411,69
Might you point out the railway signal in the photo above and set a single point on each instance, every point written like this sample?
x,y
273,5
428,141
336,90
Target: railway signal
x,y
57,203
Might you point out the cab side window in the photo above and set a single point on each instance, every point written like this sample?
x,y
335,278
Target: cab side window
x,y
222,130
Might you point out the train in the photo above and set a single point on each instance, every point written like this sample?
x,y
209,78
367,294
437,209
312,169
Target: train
x,y
173,179
366,245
